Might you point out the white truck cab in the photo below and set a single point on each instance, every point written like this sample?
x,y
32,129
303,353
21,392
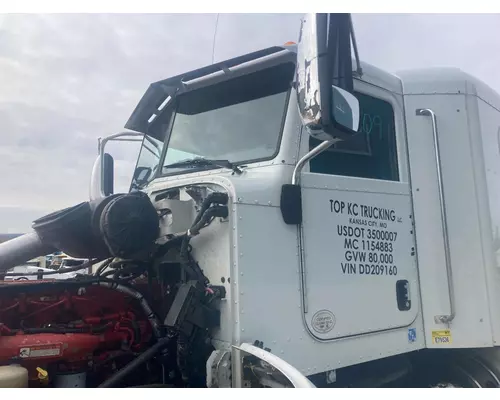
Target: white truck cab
x,y
359,246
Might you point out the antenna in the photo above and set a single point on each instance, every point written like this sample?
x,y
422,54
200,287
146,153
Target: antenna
x,y
215,34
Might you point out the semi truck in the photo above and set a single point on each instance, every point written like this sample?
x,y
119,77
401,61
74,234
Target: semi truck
x,y
296,218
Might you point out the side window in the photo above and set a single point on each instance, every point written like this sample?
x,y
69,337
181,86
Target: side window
x,y
371,153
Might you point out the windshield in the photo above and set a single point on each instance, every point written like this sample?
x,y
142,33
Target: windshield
x,y
239,120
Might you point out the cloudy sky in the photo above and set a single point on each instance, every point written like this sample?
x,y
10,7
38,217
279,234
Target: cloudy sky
x,y
68,79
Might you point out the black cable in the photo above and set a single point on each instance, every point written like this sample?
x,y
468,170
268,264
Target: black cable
x,y
103,267
134,364
212,198
131,272
71,269
164,248
187,262
207,217
134,270
203,219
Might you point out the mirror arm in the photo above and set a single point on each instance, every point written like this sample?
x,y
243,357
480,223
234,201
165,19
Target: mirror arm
x,y
291,197
311,154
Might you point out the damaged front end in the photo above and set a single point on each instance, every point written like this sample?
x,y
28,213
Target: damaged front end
x,y
161,306
144,317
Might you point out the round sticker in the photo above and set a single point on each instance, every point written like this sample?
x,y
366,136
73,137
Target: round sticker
x,y
323,321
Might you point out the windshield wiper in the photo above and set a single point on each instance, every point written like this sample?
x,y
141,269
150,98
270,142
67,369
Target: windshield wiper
x,y
200,162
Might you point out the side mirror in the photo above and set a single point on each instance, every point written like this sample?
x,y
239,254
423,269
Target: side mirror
x,y
291,204
141,175
108,174
102,178
327,106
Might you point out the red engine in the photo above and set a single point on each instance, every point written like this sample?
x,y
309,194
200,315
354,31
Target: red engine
x,y
98,330
71,329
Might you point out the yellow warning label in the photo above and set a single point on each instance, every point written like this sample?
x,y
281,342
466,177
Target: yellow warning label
x,y
441,337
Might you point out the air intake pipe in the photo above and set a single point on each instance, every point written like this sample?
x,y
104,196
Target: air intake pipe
x,y
121,225
21,249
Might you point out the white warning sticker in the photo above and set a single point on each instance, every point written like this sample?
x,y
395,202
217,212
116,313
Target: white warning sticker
x,y
39,351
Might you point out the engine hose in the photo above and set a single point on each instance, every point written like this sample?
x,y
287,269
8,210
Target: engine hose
x,y
212,198
103,266
127,278
136,329
134,364
153,320
212,212
184,251
189,265
164,248
130,273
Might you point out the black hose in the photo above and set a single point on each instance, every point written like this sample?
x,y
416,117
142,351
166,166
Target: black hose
x,y
208,215
107,274
137,331
185,249
103,266
128,273
150,314
212,198
188,264
164,248
133,365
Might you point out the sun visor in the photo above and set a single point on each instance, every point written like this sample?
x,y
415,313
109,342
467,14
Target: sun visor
x,y
156,94
152,104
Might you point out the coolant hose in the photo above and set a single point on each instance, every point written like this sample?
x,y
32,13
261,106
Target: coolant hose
x,y
137,362
22,249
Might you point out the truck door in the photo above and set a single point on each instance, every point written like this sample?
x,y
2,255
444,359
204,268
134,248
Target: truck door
x,y
359,272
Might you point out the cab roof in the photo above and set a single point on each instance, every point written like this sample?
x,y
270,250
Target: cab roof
x,y
447,80
418,81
